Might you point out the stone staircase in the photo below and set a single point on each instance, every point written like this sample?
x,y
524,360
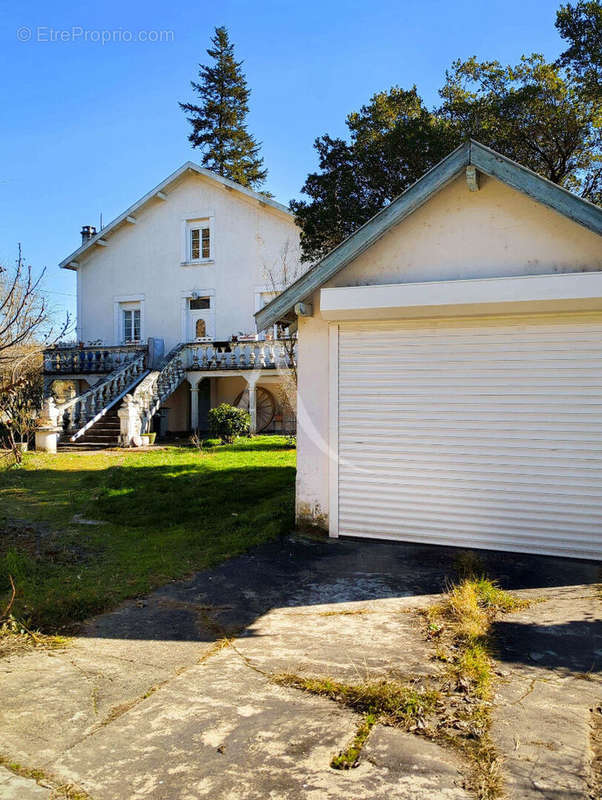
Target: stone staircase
x,y
91,421
102,435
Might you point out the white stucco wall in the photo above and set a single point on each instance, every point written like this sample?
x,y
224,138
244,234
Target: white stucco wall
x,y
143,260
458,234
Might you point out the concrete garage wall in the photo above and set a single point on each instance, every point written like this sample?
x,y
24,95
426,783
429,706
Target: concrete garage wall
x,y
493,233
458,234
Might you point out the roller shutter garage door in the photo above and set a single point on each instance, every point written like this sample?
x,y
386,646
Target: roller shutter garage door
x,y
475,432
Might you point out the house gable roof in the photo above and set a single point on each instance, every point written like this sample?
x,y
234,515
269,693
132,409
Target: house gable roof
x,y
71,261
471,153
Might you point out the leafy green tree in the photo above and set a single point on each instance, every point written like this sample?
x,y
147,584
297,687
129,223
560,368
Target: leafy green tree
x,y
393,140
580,25
532,113
219,120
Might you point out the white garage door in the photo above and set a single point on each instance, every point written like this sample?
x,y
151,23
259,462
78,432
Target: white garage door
x,y
480,433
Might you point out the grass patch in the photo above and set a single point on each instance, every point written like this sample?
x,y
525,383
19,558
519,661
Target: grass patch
x,y
166,513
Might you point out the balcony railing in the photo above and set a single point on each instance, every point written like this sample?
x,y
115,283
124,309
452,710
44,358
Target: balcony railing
x,y
98,359
268,354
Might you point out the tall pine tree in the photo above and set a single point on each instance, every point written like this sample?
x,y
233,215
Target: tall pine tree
x,y
218,122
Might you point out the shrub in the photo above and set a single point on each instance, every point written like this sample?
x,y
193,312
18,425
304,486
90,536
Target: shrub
x,y
228,422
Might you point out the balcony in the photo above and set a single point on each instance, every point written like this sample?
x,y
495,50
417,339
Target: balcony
x,y
197,356
89,360
239,355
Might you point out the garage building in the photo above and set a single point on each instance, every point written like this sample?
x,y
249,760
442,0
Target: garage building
x,y
450,366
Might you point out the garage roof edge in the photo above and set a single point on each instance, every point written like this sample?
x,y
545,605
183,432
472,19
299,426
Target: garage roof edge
x,y
484,159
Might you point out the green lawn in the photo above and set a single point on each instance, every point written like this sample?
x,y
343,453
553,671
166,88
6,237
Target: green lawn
x,y
167,513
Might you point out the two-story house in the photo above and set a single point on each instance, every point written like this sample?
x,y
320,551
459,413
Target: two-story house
x,y
168,291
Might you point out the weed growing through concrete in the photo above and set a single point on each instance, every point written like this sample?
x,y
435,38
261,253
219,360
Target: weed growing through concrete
x,y
59,791
346,612
458,712
385,701
390,701
349,758
461,625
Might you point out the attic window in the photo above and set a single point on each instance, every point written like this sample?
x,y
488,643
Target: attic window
x,y
200,243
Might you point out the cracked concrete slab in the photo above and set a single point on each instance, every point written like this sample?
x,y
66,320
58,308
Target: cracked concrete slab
x,y
215,727
223,730
52,699
551,658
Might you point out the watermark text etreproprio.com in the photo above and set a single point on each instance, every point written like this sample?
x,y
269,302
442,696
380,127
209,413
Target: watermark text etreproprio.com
x,y
76,33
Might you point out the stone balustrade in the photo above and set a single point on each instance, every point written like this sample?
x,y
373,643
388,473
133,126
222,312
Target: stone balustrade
x,y
139,407
74,360
268,354
78,413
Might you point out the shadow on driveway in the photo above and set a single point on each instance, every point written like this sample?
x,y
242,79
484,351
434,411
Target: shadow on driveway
x,y
307,571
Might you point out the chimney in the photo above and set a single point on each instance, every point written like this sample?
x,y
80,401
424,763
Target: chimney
x,y
88,231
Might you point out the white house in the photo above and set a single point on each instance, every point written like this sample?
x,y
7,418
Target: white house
x,y
450,366
185,267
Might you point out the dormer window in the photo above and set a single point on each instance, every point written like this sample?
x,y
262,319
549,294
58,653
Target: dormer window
x,y
200,242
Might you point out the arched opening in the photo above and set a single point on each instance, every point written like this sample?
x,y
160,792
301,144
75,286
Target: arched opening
x,y
200,328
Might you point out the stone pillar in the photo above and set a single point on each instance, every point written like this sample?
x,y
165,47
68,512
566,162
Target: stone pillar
x,y
194,407
48,433
130,422
46,439
253,407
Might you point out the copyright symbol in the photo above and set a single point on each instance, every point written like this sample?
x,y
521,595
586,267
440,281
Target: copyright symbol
x,y
23,33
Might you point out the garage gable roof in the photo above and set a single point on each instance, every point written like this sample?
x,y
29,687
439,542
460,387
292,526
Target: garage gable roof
x,y
471,153
158,192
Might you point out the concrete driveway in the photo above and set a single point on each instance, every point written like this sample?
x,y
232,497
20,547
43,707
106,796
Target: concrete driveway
x,y
151,701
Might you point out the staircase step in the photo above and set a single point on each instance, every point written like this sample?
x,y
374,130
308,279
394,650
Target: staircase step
x,y
82,446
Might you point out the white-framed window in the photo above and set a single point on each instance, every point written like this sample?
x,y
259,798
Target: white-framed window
x,y
131,325
197,237
199,244
128,318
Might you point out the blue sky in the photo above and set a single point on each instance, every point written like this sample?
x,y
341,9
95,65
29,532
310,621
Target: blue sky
x,y
87,128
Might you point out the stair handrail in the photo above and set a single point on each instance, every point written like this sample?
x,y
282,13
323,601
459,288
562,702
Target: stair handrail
x,y
94,403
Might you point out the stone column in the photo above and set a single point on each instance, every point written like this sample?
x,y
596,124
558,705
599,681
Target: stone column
x,y
253,407
130,422
194,407
48,433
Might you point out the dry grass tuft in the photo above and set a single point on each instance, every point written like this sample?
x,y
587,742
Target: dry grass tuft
x,y
15,639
